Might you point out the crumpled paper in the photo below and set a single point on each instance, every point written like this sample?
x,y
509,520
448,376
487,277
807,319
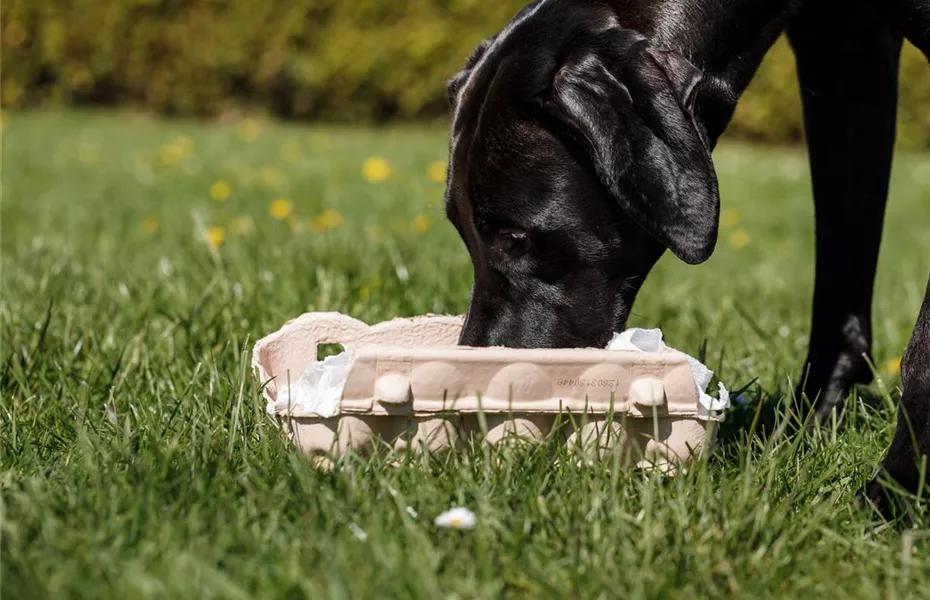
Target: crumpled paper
x,y
650,340
317,391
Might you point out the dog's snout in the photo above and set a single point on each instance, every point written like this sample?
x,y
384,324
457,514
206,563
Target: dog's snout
x,y
472,335
480,328
490,323
512,323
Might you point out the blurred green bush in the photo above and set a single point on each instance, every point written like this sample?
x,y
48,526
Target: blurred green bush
x,y
338,60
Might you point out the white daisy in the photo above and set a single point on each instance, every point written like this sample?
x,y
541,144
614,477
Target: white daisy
x,y
457,518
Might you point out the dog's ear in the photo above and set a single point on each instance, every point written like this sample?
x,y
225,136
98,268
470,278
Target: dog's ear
x,y
458,80
632,108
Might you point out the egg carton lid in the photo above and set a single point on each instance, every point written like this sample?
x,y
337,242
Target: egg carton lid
x,y
412,366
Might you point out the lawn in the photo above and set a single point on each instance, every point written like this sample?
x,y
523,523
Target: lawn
x,y
142,258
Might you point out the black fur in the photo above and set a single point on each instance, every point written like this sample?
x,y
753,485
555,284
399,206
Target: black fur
x,y
581,150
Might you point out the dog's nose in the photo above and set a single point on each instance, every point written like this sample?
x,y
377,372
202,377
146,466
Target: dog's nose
x,y
489,323
479,320
497,326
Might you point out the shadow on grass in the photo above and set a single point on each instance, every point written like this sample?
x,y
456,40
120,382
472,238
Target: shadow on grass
x,y
756,414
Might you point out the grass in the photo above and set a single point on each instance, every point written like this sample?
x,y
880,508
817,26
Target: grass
x,y
138,462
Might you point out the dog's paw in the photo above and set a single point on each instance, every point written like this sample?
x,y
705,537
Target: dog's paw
x,y
875,496
825,387
886,499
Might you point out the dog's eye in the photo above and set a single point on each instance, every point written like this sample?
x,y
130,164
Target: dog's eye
x,y
513,239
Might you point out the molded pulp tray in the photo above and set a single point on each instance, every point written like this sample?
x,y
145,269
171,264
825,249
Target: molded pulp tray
x,y
411,387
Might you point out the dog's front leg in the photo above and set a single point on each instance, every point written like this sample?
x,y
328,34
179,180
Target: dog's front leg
x,y
847,66
909,452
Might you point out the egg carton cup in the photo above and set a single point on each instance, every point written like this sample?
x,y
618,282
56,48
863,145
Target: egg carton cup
x,y
411,387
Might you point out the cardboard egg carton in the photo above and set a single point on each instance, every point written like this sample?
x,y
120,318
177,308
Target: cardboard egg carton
x,y
409,386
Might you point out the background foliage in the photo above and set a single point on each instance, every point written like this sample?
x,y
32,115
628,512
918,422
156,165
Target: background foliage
x,y
365,60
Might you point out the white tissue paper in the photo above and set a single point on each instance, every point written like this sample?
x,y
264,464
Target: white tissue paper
x,y
317,391
650,340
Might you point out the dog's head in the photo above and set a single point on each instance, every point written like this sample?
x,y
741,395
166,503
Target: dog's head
x,y
575,161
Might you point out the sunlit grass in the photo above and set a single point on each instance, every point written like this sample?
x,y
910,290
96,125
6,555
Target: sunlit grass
x,y
138,461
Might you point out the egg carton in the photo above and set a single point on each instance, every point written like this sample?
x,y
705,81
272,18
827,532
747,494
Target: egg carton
x,y
411,387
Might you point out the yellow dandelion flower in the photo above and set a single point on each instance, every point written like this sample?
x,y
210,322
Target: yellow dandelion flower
x,y
290,151
248,130
171,155
376,170
436,171
220,191
421,223
89,154
330,218
149,225
739,239
215,236
177,150
271,178
184,145
892,366
281,208
730,218
364,292
241,226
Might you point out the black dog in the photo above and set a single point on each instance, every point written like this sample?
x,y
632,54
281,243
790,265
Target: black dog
x,y
581,150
